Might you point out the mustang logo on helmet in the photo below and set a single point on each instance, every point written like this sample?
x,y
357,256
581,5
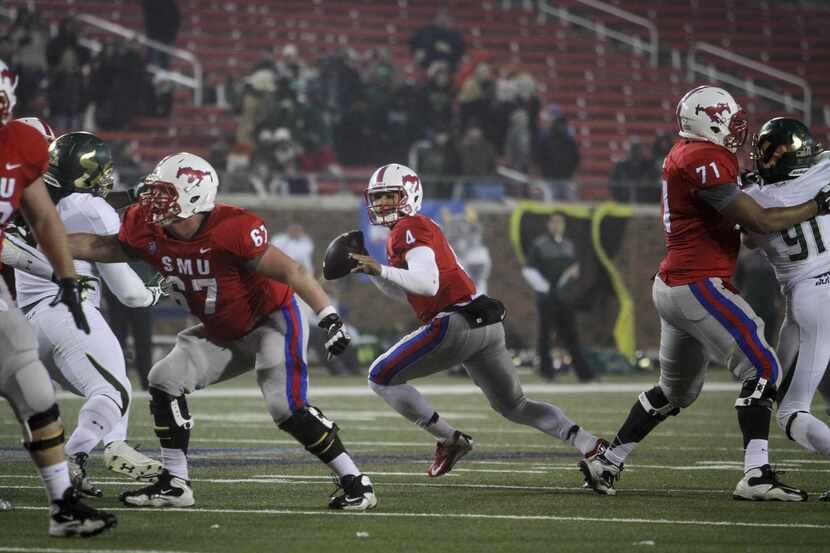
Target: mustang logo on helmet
x,y
714,112
193,175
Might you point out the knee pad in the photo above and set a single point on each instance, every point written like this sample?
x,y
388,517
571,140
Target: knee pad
x,y
786,423
756,392
657,405
315,432
42,420
171,419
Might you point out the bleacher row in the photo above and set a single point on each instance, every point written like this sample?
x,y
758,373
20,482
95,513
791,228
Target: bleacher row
x,y
609,92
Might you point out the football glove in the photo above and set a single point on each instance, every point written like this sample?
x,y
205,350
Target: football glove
x,y
823,200
159,286
338,339
71,293
748,179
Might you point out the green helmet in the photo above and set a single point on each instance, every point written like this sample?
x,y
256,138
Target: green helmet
x,y
79,162
783,149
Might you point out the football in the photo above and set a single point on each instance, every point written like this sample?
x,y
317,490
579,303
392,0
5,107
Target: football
x,y
336,262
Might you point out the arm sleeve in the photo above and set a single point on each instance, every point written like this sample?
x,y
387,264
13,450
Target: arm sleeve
x,y
389,289
125,284
719,196
535,279
20,255
420,278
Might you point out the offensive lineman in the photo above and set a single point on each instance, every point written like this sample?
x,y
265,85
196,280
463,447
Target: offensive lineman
x,y
24,381
218,262
785,159
460,326
79,177
702,315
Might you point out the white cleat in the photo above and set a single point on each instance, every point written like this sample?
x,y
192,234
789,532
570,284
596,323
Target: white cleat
x,y
600,473
761,484
122,458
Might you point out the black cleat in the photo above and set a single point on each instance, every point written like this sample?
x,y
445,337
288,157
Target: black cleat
x,y
70,517
358,494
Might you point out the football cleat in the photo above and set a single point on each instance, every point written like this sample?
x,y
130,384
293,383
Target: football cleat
x,y
448,453
761,484
358,494
825,496
600,473
599,448
5,505
77,474
167,491
120,457
70,517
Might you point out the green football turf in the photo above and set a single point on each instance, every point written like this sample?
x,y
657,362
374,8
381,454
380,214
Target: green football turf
x,y
519,490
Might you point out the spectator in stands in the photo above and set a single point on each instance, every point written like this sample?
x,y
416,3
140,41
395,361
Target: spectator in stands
x,y
663,143
477,102
551,263
339,84
557,154
466,235
121,86
438,41
27,39
434,104
68,64
162,20
393,122
518,142
516,90
634,178
292,71
437,159
257,102
477,155
276,162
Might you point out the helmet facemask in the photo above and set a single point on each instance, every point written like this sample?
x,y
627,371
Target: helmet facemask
x,y
738,130
160,202
8,82
386,213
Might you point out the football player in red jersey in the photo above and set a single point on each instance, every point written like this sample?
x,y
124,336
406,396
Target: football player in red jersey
x,y
702,315
460,326
24,381
220,265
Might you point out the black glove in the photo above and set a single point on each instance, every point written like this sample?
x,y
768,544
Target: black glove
x,y
70,293
749,178
823,200
338,339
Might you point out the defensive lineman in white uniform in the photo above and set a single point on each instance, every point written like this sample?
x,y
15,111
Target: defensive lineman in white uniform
x,y
90,365
784,155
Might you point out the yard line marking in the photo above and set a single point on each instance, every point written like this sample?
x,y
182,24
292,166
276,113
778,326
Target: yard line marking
x,y
448,390
545,518
76,550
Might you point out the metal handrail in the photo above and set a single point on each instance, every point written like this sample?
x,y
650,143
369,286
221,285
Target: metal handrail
x,y
747,84
652,47
194,82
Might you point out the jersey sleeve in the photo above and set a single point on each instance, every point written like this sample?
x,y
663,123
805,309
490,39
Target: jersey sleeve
x,y
711,167
409,233
33,150
244,236
103,219
127,234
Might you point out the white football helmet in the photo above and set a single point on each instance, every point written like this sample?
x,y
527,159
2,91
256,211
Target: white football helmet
x,y
712,114
180,186
8,82
397,179
40,125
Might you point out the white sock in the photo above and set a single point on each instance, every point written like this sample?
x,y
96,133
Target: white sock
x,y
343,465
811,433
583,441
756,454
175,461
56,479
96,419
618,453
409,402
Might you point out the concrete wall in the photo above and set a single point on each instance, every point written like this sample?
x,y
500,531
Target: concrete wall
x,y
366,308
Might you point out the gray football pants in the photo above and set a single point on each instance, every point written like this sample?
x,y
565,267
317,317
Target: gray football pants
x,y
449,340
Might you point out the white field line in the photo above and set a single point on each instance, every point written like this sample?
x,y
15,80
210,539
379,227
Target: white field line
x,y
535,518
447,390
4,549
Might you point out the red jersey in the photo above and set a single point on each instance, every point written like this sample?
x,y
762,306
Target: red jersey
x,y
700,242
208,271
454,284
24,156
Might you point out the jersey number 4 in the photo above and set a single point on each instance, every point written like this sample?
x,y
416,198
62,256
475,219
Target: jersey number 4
x,y
795,236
